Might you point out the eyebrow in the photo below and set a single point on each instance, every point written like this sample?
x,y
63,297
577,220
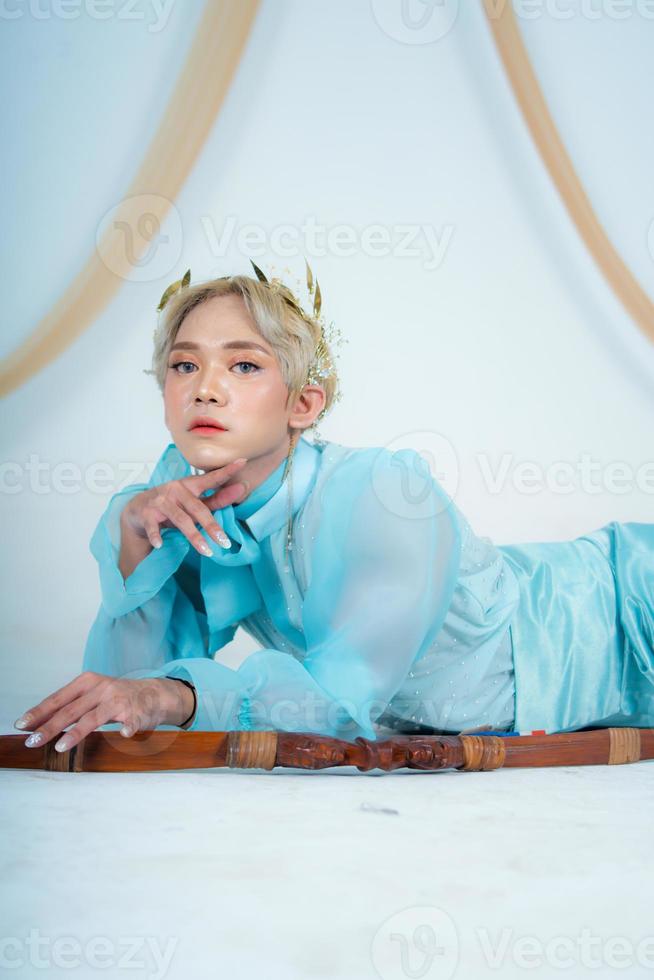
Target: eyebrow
x,y
226,345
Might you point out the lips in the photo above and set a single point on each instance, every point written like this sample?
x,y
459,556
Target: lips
x,y
205,422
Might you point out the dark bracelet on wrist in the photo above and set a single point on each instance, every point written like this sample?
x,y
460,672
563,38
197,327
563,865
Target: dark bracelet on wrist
x,y
195,698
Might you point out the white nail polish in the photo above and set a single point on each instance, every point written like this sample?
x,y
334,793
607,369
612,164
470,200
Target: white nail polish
x,y
223,541
62,745
35,739
22,722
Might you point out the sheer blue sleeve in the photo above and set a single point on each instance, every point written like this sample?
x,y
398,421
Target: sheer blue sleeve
x,y
388,547
119,596
381,544
146,621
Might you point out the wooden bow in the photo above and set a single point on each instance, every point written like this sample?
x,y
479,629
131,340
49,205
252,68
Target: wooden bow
x,y
156,750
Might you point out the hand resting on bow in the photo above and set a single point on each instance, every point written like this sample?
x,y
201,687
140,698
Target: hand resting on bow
x,y
93,699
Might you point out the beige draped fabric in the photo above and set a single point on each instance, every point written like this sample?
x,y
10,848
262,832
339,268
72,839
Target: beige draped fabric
x,y
528,94
188,119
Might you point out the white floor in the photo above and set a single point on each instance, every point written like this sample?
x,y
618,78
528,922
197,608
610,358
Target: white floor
x,y
185,875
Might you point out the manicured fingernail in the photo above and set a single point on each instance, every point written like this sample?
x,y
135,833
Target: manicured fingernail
x,y
206,550
22,722
62,744
223,540
126,731
35,739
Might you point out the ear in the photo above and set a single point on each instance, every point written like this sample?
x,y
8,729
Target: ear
x,y
307,406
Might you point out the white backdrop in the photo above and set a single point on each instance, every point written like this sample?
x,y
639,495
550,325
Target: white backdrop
x,y
494,345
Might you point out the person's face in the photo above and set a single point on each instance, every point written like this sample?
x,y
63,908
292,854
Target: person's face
x,y
220,366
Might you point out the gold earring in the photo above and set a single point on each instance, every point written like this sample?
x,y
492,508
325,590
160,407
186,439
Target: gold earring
x,y
288,473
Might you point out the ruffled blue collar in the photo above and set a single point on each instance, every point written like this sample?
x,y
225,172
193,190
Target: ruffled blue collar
x,y
261,494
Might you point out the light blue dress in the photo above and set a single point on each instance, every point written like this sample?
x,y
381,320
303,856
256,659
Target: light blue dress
x,y
391,612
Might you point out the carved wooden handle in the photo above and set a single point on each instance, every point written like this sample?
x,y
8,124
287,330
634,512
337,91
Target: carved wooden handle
x,y
157,750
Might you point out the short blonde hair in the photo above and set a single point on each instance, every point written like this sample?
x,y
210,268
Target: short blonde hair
x,y
292,333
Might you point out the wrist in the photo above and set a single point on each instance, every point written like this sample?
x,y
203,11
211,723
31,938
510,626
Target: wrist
x,y
128,528
180,701
133,547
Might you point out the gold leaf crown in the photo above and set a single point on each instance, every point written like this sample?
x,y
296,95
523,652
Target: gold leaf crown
x,y
173,288
322,365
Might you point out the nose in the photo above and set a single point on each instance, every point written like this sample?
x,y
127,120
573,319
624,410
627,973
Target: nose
x,y
210,388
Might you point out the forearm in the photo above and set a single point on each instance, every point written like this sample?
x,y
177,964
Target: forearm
x,y
133,549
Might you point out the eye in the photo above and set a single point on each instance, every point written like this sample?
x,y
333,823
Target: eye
x,y
179,364
173,367
251,364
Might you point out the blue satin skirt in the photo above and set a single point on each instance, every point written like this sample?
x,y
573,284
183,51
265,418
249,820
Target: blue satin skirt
x,y
583,632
